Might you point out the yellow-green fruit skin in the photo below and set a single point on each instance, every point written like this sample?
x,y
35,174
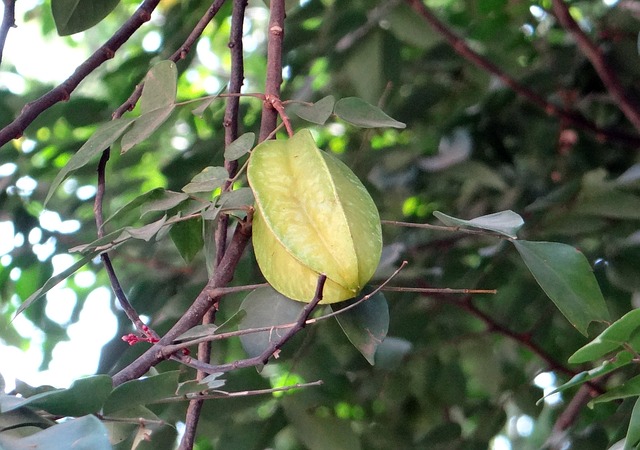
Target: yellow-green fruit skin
x,y
312,216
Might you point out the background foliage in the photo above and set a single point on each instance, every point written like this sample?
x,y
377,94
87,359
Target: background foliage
x,y
539,131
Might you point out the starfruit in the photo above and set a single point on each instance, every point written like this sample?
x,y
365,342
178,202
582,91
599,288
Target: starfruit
x,y
312,216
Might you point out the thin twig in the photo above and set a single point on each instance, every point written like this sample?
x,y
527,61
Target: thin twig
x,y
179,54
8,22
274,66
627,103
222,394
460,46
197,310
63,91
273,348
443,228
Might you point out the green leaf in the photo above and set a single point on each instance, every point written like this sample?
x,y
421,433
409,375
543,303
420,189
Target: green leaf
x,y
566,277
209,179
240,146
145,232
84,433
630,388
160,87
317,432
144,126
163,201
104,137
142,391
84,396
319,112
54,280
236,199
266,307
506,223
73,16
391,352
360,113
622,331
622,359
366,324
187,236
633,432
135,203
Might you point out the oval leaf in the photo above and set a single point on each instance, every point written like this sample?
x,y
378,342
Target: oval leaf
x,y
362,114
266,307
104,136
312,216
84,433
187,237
73,16
506,223
319,112
623,330
566,277
210,179
160,87
240,146
366,324
143,391
144,126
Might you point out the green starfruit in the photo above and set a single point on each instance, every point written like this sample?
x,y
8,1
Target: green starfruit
x,y
312,216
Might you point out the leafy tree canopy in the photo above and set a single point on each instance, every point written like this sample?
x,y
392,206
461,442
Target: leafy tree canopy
x,y
467,171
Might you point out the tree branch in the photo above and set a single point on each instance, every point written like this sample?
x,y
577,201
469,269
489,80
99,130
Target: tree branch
x,y
274,67
273,347
625,101
460,46
230,134
195,313
8,22
179,54
63,91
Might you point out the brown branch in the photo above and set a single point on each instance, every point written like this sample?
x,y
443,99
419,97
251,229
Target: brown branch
x,y
63,91
625,101
230,134
8,22
460,46
274,347
179,54
274,66
222,276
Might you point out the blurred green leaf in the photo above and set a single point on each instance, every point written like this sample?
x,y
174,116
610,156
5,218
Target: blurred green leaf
x,y
366,324
633,434
630,388
362,114
104,136
624,330
144,126
209,179
240,146
566,277
187,236
506,223
319,112
162,200
160,85
266,307
84,433
141,392
84,396
622,359
73,16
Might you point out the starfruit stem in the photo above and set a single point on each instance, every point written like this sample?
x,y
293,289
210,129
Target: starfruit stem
x,y
276,103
